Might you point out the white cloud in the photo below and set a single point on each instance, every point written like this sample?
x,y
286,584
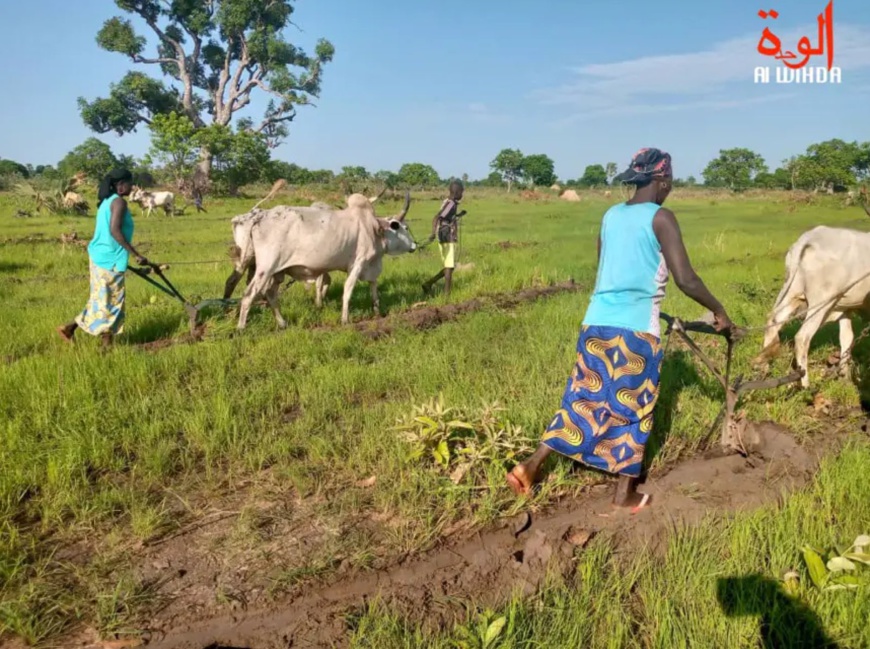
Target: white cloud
x,y
711,79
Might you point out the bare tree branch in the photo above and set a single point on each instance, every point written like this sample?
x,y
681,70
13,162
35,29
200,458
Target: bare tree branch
x,y
141,59
273,120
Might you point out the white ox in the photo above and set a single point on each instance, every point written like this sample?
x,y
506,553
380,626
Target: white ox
x,y
827,279
321,284
307,242
149,200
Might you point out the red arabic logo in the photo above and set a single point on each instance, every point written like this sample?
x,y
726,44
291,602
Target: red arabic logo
x,y
771,45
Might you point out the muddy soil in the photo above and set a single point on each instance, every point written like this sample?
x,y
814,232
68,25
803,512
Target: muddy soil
x,y
420,317
491,565
427,317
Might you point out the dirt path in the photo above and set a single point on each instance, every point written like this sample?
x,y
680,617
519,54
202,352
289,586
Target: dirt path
x,y
491,565
421,316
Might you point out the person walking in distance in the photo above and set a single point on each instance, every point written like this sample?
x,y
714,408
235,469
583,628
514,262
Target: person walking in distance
x,y
445,226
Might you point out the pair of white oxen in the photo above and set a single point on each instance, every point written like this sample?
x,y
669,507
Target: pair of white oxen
x,y
306,243
827,269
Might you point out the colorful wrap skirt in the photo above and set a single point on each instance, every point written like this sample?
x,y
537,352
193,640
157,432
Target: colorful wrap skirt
x,y
104,311
607,408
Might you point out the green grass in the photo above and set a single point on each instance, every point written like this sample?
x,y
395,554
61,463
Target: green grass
x,y
106,451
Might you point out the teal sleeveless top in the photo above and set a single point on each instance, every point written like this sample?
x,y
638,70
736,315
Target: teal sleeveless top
x,y
632,273
104,251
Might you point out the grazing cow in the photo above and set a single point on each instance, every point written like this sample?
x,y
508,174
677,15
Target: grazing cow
x,y
306,243
149,200
827,279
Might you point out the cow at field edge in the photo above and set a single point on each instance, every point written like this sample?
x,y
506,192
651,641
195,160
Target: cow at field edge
x,y
149,200
305,243
827,279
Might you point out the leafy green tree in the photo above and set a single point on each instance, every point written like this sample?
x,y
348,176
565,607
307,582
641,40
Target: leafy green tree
x,y
831,165
734,168
12,168
509,164
214,55
611,170
289,171
593,176
389,179
46,171
174,144
779,179
93,157
322,177
352,178
239,158
417,174
539,169
494,179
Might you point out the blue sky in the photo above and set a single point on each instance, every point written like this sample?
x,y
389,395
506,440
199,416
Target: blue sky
x,y
450,83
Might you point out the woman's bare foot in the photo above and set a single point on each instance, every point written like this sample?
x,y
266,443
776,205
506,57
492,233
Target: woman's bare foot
x,y
635,502
523,476
518,480
67,332
627,496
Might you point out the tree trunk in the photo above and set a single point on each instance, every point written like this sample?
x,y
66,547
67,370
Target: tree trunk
x,y
203,168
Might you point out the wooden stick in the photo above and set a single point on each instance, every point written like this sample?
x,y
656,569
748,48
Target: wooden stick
x,y
700,326
768,384
701,355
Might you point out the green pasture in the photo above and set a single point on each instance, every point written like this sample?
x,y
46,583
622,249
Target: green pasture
x,y
100,450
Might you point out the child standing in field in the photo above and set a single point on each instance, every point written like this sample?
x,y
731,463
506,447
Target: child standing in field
x,y
445,226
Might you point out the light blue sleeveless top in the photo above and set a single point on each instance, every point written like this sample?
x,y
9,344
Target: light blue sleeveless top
x,y
632,273
104,251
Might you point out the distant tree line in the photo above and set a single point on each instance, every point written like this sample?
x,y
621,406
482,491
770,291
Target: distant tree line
x,y
241,157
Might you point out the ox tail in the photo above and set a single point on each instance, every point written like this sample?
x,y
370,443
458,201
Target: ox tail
x,y
277,187
787,301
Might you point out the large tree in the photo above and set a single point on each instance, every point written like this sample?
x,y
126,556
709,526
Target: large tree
x,y
417,174
509,163
611,170
539,170
831,165
734,168
12,168
214,54
593,176
93,157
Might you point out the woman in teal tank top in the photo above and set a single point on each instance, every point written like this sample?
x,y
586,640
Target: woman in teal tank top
x,y
606,415
109,252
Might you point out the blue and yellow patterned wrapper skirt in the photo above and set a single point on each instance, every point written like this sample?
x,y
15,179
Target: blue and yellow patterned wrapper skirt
x,y
104,312
607,408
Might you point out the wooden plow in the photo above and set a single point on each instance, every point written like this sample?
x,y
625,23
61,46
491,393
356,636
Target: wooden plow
x,y
733,427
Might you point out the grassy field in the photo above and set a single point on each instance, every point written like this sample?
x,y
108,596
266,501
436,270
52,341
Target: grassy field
x,y
102,453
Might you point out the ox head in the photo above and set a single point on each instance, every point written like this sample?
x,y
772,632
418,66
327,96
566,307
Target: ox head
x,y
398,239
137,195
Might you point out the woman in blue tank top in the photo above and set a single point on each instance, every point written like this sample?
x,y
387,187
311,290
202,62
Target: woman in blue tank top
x,y
606,414
108,252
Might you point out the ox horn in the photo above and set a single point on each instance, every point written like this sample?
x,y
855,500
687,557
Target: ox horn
x,y
375,198
407,205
